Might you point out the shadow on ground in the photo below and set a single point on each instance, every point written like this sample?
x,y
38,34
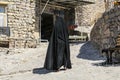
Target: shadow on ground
x,y
44,71
41,71
87,51
105,64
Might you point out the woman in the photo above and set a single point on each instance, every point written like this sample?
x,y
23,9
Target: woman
x,y
58,52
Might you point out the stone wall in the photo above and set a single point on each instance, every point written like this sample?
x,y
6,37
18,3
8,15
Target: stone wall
x,y
23,21
87,15
109,4
21,18
106,29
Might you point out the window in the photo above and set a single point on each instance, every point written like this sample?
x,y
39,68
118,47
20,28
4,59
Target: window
x,y
2,9
3,17
4,29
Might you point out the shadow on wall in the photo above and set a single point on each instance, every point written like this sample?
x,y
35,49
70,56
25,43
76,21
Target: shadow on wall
x,y
87,51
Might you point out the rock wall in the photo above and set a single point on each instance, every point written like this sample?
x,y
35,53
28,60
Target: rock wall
x,y
87,15
106,29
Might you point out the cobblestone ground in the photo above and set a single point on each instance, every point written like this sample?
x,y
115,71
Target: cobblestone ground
x,y
27,64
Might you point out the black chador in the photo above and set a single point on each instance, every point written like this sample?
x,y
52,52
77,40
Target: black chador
x,y
58,52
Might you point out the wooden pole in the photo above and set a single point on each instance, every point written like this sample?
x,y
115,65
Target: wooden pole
x,y
40,15
44,7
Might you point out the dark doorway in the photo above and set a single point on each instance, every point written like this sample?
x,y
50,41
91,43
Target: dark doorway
x,y
46,26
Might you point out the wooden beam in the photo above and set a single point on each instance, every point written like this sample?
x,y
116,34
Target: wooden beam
x,y
4,3
56,5
68,3
116,3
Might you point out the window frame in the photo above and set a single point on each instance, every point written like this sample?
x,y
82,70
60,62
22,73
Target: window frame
x,y
4,29
4,14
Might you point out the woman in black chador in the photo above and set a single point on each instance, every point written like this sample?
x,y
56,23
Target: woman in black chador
x,y
58,52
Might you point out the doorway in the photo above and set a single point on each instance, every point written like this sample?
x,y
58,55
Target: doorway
x,y
46,26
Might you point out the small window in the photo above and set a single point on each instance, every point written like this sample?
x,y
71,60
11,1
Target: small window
x,y
3,17
2,9
4,29
1,20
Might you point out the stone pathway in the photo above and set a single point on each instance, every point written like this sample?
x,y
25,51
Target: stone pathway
x,y
27,64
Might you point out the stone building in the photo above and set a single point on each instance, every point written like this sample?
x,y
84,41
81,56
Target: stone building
x,y
23,25
87,15
18,23
107,27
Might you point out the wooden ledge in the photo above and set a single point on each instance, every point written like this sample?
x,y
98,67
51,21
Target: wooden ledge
x,y
4,3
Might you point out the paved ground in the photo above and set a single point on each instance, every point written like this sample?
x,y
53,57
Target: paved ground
x,y
26,64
